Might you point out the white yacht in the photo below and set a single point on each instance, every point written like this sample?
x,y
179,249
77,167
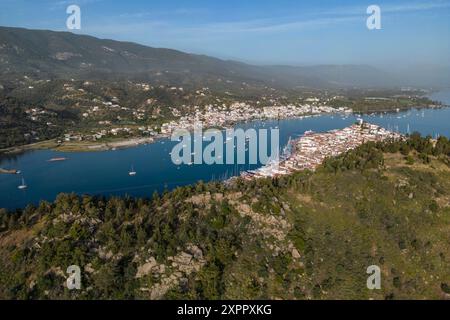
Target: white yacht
x,y
23,186
132,172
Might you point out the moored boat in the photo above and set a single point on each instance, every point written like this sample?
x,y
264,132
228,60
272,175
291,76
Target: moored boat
x,y
132,173
23,186
57,159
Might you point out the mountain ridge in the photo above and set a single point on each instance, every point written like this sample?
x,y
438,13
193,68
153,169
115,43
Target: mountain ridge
x,y
61,54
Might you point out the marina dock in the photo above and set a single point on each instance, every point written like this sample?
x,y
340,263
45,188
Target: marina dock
x,y
9,171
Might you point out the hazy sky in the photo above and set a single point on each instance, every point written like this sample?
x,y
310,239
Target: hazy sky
x,y
259,31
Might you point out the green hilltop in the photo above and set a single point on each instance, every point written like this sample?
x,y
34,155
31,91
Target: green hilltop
x,y
310,235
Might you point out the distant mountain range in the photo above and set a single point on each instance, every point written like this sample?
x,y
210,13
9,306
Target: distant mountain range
x,y
48,54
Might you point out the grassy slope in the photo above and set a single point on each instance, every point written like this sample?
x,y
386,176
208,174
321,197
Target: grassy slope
x,y
397,218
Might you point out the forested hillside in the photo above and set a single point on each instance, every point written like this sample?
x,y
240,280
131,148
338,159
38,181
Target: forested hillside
x,y
305,236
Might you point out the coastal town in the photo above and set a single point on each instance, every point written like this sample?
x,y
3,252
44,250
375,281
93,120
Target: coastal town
x,y
223,116
224,159
210,116
310,150
79,115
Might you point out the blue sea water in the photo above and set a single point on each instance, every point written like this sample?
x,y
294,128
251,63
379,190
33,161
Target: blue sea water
x,y
106,173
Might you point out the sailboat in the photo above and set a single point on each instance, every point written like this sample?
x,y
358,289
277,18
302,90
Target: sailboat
x,y
23,185
132,172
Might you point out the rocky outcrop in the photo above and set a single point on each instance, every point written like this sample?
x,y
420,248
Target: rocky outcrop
x,y
173,274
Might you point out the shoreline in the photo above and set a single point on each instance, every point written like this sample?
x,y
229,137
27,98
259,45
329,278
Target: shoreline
x,y
80,146
83,146
119,143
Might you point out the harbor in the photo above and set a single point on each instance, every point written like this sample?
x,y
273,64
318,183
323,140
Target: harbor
x,y
107,173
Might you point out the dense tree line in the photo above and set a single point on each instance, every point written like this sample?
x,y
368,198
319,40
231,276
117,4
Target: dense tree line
x,y
370,155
